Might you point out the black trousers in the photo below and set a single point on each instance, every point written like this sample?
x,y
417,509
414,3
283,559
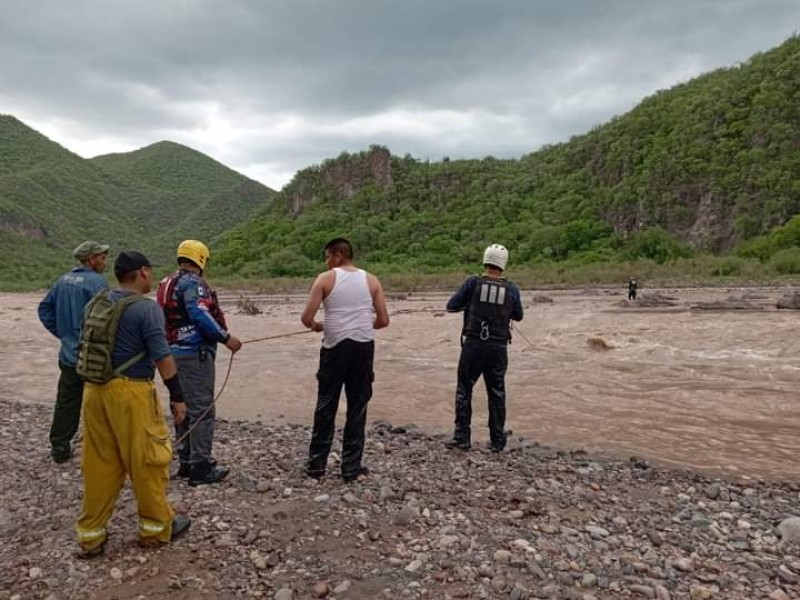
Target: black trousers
x,y
348,365
67,412
490,361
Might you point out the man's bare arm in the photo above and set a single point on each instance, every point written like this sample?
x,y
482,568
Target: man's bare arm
x,y
169,374
166,367
378,303
315,298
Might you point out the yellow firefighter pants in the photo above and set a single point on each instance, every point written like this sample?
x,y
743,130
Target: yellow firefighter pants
x,y
124,433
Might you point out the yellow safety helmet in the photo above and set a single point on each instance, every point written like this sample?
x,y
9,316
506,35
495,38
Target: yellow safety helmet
x,y
195,251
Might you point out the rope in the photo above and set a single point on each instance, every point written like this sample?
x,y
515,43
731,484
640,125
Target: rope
x,y
227,377
405,311
275,337
516,328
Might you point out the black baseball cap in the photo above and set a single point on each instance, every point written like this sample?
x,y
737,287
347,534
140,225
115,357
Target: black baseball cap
x,y
128,261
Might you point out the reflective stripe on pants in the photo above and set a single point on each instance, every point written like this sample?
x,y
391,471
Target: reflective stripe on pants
x,y
124,434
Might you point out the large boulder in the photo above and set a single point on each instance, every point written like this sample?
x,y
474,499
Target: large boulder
x,y
790,529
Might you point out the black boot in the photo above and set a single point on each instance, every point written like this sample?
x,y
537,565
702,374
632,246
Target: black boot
x,y
180,525
313,471
353,475
456,443
185,469
207,472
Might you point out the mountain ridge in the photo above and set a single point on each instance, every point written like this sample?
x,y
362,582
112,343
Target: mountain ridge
x,y
711,165
702,167
51,199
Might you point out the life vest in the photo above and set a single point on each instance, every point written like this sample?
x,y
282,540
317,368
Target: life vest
x,y
175,313
98,336
489,312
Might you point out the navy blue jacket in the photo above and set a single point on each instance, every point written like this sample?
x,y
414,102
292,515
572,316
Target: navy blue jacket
x,y
61,310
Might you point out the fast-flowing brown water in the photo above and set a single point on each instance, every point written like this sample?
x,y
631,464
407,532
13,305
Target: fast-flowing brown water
x,y
716,390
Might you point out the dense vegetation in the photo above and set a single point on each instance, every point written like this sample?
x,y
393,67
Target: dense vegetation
x,y
705,167
703,178
52,199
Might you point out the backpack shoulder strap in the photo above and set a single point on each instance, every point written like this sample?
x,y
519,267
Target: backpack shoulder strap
x,y
120,307
130,362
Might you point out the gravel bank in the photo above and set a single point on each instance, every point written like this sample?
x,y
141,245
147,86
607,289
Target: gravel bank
x,y
426,523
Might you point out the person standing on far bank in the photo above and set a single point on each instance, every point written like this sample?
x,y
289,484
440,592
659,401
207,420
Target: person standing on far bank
x,y
633,287
195,324
489,303
61,311
349,296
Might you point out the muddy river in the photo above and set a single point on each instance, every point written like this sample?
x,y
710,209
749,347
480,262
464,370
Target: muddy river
x,y
714,390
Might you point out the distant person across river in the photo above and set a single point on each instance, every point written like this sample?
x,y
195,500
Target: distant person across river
x,y
633,288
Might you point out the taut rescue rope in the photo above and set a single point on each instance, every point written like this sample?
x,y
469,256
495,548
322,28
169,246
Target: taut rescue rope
x,y
227,376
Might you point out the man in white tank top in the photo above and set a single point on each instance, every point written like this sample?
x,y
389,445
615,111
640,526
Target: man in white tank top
x,y
349,296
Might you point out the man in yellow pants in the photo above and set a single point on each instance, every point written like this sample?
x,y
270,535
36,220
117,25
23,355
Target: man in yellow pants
x,y
122,342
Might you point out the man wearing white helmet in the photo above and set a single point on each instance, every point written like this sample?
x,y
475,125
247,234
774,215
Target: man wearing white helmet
x,y
489,303
195,324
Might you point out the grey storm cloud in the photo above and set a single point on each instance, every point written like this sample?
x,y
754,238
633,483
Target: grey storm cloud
x,y
269,87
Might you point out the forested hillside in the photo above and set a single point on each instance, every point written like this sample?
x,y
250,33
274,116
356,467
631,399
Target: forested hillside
x,y
707,166
52,199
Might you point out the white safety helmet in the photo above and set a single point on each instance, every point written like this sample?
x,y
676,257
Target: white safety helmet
x,y
496,255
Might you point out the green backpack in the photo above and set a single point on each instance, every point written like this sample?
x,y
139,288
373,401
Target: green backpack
x,y
98,335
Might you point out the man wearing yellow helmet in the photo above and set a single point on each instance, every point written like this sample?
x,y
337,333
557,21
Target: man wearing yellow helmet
x,y
489,303
195,324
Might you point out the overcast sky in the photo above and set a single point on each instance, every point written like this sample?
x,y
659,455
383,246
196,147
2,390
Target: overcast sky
x,y
271,86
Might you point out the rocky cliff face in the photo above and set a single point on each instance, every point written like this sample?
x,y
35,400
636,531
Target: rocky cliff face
x,y
701,219
713,226
342,177
24,227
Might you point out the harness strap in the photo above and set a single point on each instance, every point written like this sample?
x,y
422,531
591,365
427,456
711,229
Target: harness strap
x,y
130,362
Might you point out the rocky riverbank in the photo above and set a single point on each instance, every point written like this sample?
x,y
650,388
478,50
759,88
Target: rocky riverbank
x,y
425,523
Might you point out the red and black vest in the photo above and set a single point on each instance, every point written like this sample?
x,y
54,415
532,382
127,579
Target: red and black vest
x,y
176,317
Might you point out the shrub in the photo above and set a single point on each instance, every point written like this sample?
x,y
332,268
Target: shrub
x,y
727,266
657,245
786,262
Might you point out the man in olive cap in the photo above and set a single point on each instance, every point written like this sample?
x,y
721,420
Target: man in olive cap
x,y
61,312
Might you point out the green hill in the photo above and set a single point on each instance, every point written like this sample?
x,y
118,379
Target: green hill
x,y
702,167
192,194
709,166
52,199
168,171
